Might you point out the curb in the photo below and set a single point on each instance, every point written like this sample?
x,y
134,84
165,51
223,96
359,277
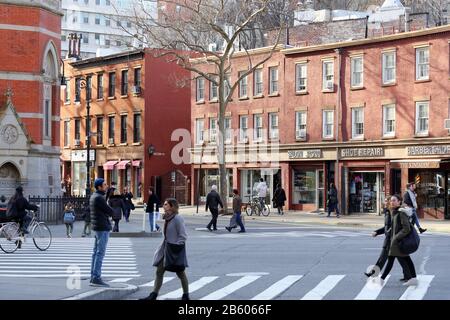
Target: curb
x,y
141,234
112,293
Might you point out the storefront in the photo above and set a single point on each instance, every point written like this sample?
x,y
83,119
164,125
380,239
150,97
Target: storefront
x,y
210,177
250,179
79,171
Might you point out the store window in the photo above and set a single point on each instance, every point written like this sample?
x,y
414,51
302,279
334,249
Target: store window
x,y
430,189
210,177
366,191
304,186
251,178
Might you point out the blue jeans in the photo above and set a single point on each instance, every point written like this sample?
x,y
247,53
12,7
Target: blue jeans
x,y
415,218
101,240
152,219
239,221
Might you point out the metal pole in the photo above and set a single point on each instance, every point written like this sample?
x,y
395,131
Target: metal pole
x,y
198,178
88,141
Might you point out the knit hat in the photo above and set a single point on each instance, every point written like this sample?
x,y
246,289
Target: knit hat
x,y
98,182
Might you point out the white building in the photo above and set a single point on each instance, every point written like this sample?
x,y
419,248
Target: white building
x,y
102,24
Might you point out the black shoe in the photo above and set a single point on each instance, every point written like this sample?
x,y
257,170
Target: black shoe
x,y
228,228
98,283
403,280
151,296
215,229
209,228
242,231
369,274
185,296
422,230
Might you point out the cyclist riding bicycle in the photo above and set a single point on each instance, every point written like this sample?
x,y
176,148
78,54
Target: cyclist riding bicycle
x,y
261,188
16,209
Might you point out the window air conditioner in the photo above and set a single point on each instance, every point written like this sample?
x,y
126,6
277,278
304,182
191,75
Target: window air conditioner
x,y
136,89
301,134
111,140
447,124
330,85
77,142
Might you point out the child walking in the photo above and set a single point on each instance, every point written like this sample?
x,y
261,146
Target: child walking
x,y
69,219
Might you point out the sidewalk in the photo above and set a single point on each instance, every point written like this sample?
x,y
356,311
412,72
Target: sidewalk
x,y
369,221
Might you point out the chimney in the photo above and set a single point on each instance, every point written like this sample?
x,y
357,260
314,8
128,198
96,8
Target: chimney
x,y
69,53
407,11
79,47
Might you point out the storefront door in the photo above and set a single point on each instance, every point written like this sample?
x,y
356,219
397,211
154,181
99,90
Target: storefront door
x,y
320,190
366,191
250,179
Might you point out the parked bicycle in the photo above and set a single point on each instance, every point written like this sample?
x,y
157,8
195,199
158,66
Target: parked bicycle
x,y
254,207
11,237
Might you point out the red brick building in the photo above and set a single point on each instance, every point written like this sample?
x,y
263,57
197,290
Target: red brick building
x,y
135,107
29,112
368,115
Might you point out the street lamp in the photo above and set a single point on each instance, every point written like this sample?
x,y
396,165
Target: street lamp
x,y
198,176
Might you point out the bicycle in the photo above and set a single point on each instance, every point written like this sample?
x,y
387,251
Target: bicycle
x,y
11,237
254,207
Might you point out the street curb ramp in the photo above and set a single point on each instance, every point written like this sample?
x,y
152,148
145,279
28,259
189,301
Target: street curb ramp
x,y
111,293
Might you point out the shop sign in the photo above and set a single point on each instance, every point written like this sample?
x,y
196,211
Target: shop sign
x,y
81,155
428,150
421,165
362,152
305,154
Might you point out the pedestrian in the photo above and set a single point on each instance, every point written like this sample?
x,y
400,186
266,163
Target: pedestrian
x,y
117,203
237,218
410,200
87,220
152,209
128,201
3,207
110,190
333,200
386,244
16,209
400,229
212,202
174,234
261,189
279,198
100,213
69,219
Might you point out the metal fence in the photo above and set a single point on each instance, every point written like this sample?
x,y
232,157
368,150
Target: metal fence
x,y
52,208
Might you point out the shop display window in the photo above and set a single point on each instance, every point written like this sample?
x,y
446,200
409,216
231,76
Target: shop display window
x,y
304,186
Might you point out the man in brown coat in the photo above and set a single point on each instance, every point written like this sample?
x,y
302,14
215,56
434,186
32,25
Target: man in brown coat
x,y
237,204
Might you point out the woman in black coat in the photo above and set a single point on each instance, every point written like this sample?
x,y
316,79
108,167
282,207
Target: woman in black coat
x,y
117,204
279,197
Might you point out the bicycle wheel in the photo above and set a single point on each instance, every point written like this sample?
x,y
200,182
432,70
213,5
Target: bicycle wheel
x,y
265,211
9,235
249,210
42,237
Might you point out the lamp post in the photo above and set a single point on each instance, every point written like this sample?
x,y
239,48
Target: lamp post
x,y
198,176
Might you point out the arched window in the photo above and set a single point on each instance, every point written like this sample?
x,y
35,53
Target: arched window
x,y
50,74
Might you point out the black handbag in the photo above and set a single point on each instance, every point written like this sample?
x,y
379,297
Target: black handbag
x,y
174,257
411,242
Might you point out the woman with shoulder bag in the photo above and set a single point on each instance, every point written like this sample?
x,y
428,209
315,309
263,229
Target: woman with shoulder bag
x,y
171,254
400,229
117,204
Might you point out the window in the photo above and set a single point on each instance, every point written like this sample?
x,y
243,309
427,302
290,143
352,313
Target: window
x,y
300,125
137,128
257,127
85,18
243,84
63,37
300,77
88,87
66,133
99,130
118,23
422,63
107,42
243,128
200,81
212,130
357,123
86,2
227,86
111,127
67,91
97,2
128,24
97,39
273,126
137,77
213,93
123,128
389,65
422,117
77,89
75,17
258,82
97,20
199,131
328,119
108,2
273,80
100,86
77,129
85,37
124,83
118,43
389,120
357,72
112,84
328,75
227,130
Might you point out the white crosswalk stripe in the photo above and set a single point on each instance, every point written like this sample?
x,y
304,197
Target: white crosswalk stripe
x,y
291,234
323,288
192,288
418,292
67,257
236,285
277,288
371,290
152,283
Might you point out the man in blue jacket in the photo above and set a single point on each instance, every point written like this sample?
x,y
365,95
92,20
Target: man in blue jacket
x,y
100,213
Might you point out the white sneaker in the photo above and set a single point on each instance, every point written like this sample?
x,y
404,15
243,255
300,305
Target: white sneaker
x,y
379,281
411,282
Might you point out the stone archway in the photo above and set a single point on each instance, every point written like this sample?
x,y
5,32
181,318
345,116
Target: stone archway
x,y
9,179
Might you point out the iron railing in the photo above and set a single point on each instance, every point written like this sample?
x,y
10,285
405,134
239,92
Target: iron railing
x,y
52,208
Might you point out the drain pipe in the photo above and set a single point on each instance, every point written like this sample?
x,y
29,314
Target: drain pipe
x,y
337,174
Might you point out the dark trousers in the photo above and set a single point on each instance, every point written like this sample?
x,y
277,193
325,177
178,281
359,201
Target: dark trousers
x,y
382,260
239,221
116,225
280,209
332,207
409,270
213,222
126,213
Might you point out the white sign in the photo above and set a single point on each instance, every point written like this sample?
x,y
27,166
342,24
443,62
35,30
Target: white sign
x,y
81,155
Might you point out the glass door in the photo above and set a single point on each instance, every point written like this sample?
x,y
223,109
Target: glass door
x,y
320,189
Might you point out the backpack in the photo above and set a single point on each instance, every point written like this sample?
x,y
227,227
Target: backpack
x,y
11,209
69,217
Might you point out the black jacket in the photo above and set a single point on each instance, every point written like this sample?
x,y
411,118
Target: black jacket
x,y
100,212
407,200
213,201
21,205
152,204
127,199
279,197
118,205
332,196
110,192
386,229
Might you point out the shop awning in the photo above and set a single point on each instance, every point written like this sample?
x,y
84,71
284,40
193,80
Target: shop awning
x,y
122,164
136,163
109,165
417,163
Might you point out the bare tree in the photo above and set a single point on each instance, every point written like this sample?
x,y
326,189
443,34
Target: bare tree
x,y
437,9
214,31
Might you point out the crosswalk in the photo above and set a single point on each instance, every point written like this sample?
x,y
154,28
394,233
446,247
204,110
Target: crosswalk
x,y
70,257
204,288
262,233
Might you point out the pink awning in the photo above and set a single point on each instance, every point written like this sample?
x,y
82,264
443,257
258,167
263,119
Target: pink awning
x,y
109,165
122,164
136,163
